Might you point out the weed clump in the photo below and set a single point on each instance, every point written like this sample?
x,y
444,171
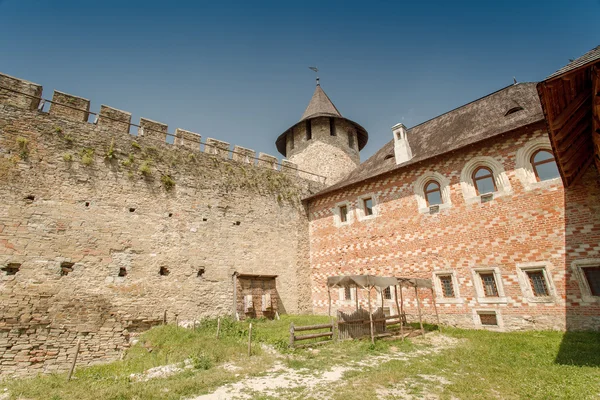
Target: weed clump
x,y
87,156
145,169
167,182
23,145
110,153
67,157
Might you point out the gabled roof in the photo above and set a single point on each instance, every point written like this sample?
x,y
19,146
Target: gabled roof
x,y
590,56
465,125
320,105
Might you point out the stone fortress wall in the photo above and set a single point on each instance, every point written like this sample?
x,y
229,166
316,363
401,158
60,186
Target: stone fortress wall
x,y
102,231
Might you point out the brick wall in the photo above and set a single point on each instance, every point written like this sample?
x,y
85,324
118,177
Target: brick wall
x,y
521,228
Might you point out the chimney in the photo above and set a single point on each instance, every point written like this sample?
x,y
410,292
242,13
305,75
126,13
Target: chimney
x,y
401,147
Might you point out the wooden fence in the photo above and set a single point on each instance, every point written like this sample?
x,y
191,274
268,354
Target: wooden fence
x,y
295,338
357,324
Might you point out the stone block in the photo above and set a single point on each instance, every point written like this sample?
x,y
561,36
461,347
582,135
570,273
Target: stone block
x,y
187,139
29,93
70,107
114,119
217,147
267,161
243,155
155,131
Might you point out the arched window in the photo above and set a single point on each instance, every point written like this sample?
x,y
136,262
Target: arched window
x,y
544,165
483,178
433,194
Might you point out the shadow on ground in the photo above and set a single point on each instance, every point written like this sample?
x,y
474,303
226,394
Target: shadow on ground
x,y
579,348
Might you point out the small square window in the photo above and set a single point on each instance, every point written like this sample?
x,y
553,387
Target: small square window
x,y
66,268
387,293
488,318
489,284
368,206
592,275
538,283
344,213
12,268
447,286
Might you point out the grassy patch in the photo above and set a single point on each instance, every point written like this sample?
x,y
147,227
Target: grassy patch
x,y
168,345
489,365
532,365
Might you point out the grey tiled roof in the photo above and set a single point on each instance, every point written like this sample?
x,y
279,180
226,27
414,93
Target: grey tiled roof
x,y
320,105
473,122
587,58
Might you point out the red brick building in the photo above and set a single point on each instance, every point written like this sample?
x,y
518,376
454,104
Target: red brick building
x,y
473,200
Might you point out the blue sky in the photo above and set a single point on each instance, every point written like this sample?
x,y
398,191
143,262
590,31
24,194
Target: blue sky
x,y
238,71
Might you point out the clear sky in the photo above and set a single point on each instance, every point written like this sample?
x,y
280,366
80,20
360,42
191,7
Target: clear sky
x,y
238,71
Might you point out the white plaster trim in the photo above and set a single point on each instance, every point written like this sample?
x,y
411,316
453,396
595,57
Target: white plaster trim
x,y
477,320
525,283
503,186
360,212
524,170
577,268
481,297
419,189
337,217
439,293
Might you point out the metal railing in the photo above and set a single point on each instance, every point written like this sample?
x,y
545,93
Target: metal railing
x,y
42,103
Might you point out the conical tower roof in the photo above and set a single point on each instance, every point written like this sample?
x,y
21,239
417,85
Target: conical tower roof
x,y
320,105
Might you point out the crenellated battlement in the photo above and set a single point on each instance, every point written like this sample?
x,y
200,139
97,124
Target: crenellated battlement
x,y
23,94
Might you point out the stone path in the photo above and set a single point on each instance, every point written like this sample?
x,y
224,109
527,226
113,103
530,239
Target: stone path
x,y
280,378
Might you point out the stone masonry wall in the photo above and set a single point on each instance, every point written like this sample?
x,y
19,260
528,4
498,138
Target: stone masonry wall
x,y
330,156
101,232
524,227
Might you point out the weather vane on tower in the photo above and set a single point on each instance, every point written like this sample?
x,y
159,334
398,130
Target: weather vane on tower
x,y
317,71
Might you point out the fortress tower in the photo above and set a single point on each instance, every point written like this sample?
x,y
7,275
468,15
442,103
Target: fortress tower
x,y
323,142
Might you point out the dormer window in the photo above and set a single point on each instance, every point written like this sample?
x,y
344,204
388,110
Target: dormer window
x,y
513,110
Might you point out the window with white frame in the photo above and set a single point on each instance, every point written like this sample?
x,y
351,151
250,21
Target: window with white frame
x,y
446,287
588,277
483,176
535,164
367,207
347,294
488,319
342,214
432,189
536,282
488,285
387,293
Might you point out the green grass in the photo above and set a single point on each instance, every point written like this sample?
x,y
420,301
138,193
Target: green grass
x,y
482,365
489,365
